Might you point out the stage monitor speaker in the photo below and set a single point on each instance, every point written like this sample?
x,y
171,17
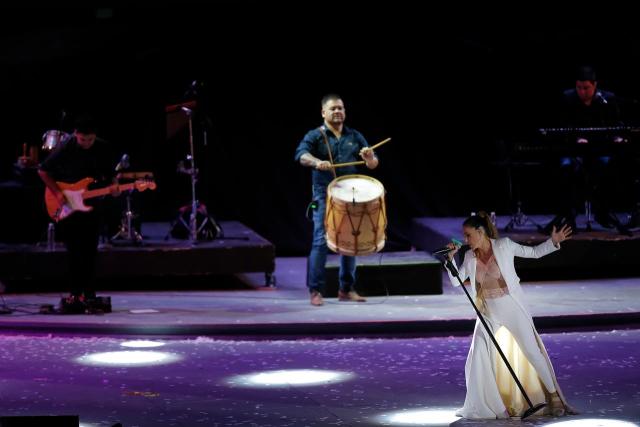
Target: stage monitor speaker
x,y
41,421
395,273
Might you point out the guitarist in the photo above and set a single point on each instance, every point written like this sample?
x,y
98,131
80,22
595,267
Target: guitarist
x,y
82,155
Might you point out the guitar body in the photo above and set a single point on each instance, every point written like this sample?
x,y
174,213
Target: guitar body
x,y
76,193
75,201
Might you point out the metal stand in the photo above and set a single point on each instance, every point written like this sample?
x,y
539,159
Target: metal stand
x,y
126,230
587,213
532,409
209,229
192,172
518,218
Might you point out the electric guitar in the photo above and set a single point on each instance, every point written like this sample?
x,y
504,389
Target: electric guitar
x,y
76,193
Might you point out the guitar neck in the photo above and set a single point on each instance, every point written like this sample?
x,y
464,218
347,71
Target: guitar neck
x,y
107,190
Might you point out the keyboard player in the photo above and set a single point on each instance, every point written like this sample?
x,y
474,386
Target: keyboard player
x,y
590,119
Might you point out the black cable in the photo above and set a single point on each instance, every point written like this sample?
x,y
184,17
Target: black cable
x,y
313,205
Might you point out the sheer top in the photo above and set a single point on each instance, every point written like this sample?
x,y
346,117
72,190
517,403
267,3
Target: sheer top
x,y
489,280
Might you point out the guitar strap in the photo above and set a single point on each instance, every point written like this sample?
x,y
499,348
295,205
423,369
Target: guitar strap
x,y
326,141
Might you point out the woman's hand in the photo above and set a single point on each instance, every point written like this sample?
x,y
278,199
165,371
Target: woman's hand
x,y
454,250
558,236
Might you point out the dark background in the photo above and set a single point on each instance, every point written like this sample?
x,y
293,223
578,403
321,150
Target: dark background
x,y
454,87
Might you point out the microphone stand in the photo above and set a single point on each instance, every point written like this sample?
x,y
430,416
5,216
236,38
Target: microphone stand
x,y
532,409
193,226
196,207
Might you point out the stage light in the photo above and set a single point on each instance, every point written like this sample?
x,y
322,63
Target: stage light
x,y
142,344
420,417
291,377
592,422
128,358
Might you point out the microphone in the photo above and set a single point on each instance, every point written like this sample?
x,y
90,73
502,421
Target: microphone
x,y
123,163
441,251
601,97
446,249
187,111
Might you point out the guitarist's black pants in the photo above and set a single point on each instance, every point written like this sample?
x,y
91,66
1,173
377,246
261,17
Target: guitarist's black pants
x,y
80,232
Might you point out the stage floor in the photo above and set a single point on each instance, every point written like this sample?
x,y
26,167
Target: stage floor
x,y
254,309
341,382
262,356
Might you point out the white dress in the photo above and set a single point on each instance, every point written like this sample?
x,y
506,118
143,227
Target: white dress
x,y
491,391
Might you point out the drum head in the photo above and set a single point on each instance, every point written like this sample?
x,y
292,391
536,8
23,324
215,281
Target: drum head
x,y
356,188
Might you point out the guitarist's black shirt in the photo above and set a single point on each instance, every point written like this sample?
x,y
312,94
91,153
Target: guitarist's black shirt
x,y
70,163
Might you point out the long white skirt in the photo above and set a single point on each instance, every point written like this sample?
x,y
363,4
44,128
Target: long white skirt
x,y
491,391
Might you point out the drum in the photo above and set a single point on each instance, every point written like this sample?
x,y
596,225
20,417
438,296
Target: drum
x,y
355,218
52,138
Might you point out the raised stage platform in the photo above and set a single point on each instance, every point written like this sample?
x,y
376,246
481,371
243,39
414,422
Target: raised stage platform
x,y
285,311
589,254
390,273
152,290
151,264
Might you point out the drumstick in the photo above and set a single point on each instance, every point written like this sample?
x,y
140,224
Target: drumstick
x,y
339,165
380,143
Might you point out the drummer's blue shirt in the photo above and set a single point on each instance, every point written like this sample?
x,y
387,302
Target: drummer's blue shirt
x,y
344,149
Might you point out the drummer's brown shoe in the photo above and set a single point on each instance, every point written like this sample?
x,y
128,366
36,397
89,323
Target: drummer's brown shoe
x,y
316,298
350,296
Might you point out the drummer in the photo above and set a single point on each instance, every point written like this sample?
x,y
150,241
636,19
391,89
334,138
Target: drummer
x,y
346,145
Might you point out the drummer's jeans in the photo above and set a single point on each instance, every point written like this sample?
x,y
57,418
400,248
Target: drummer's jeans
x,y
317,259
